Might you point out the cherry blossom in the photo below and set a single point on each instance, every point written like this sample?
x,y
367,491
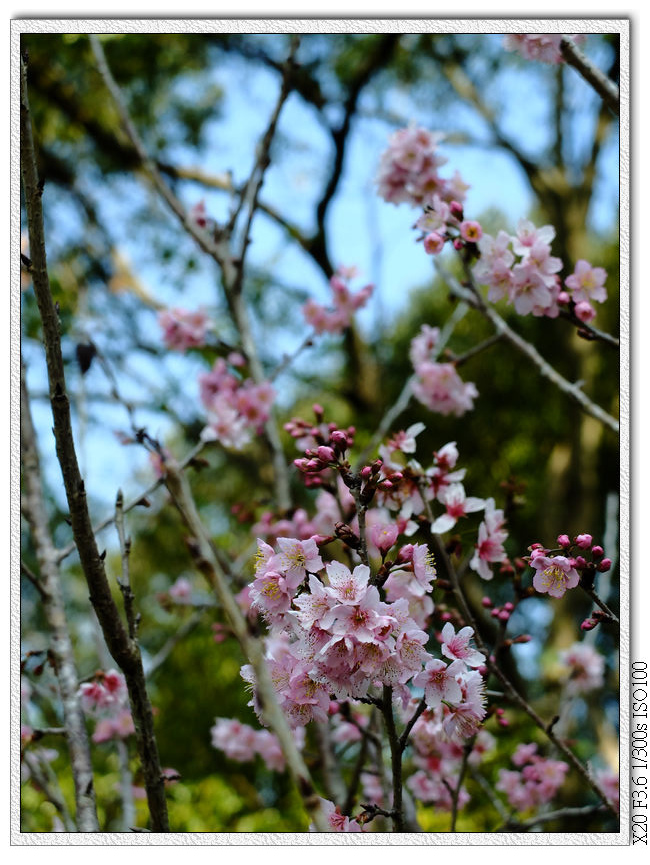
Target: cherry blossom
x,y
554,575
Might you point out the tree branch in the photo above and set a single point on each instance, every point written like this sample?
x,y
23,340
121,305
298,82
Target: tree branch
x,y
604,87
123,650
49,587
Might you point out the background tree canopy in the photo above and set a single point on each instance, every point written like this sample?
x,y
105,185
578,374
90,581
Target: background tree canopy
x,y
532,140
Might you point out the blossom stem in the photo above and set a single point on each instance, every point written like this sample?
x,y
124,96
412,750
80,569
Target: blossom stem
x,y
603,606
472,295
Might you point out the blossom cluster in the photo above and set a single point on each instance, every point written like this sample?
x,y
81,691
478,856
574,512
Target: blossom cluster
x,y
408,169
243,743
438,385
183,329
585,666
332,636
438,761
236,407
539,46
537,780
531,282
105,698
344,304
444,221
556,573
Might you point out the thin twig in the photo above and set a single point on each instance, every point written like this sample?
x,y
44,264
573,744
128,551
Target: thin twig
x,y
472,296
125,581
515,826
210,566
218,246
49,588
603,606
509,688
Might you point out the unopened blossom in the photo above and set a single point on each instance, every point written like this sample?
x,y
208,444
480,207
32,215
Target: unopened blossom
x,y
554,575
183,329
456,646
584,311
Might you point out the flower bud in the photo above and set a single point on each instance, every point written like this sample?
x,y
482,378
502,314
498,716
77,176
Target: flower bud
x,y
597,551
584,541
603,566
326,454
563,541
486,601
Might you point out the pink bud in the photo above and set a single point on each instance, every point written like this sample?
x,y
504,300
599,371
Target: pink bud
x,y
585,311
588,625
456,209
366,472
563,541
318,410
563,297
597,551
326,454
495,613
603,566
584,541
504,615
580,562
509,606
339,439
486,601
458,243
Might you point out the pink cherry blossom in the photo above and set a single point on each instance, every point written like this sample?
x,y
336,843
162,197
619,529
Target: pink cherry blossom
x,y
554,575
585,666
587,283
439,682
457,505
456,645
183,329
491,536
